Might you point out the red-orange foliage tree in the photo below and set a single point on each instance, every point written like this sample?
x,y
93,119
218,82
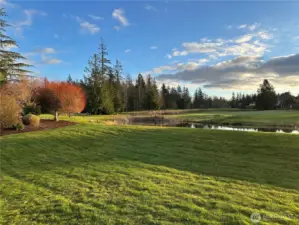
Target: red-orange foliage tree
x,y
72,97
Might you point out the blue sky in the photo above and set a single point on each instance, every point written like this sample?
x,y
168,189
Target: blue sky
x,y
217,46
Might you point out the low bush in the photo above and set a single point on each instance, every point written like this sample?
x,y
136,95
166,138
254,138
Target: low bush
x,y
9,111
31,119
19,126
32,108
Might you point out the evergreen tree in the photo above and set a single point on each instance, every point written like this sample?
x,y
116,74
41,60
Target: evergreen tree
x,y
233,101
69,79
118,99
103,60
10,65
266,97
164,97
140,92
151,97
92,85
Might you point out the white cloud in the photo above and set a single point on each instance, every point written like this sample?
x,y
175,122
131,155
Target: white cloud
x,y
27,22
250,27
117,28
150,8
95,17
87,27
178,66
242,26
168,56
248,44
127,50
7,4
119,14
245,73
42,56
153,47
51,61
46,50
245,38
253,26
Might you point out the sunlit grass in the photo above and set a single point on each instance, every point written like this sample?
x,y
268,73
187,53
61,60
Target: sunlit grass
x,y
98,174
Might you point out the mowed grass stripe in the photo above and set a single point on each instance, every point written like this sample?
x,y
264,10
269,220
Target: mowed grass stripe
x,y
95,174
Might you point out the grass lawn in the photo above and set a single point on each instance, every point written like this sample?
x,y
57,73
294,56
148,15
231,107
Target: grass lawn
x,y
97,174
242,117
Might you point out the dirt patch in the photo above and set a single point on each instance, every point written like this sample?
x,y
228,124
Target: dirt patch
x,y
44,125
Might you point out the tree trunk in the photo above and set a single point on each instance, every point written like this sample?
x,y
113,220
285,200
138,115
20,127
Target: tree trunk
x,y
56,116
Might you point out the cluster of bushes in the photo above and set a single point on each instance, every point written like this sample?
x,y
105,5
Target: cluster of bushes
x,y
16,103
22,102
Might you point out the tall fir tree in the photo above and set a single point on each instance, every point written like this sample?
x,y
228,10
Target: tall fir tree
x,y
11,65
266,97
140,92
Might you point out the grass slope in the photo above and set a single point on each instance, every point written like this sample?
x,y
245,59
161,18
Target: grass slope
x,y
96,174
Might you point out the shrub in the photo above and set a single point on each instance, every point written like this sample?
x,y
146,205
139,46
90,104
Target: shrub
x,y
32,108
47,100
31,119
19,126
9,111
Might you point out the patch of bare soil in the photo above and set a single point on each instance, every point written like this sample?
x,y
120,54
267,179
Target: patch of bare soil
x,y
44,125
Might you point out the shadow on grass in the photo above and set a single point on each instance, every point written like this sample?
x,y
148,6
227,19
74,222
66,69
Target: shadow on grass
x,y
270,159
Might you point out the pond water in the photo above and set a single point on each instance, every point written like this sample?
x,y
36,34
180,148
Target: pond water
x,y
173,123
248,129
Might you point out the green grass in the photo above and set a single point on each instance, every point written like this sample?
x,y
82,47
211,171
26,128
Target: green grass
x,y
97,174
239,117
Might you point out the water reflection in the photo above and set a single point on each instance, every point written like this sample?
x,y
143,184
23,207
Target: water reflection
x,y
218,127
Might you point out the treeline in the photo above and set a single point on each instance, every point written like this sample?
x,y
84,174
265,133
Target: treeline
x,y
108,91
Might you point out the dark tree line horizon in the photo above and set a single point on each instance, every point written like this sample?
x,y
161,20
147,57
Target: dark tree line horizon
x,y
109,92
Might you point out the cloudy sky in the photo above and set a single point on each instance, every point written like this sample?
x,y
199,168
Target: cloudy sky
x,y
219,46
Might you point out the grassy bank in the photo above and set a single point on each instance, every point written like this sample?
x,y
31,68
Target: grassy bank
x,y
96,174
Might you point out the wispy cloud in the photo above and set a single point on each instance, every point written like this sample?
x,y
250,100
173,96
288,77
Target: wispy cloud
x,y
50,61
150,8
168,56
117,28
153,47
250,27
127,50
95,17
87,27
56,36
7,4
43,56
251,44
27,22
119,14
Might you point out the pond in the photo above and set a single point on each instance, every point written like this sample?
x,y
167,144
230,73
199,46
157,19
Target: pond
x,y
159,121
248,129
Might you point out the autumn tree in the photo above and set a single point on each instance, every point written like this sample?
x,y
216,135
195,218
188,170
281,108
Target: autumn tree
x,y
72,97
